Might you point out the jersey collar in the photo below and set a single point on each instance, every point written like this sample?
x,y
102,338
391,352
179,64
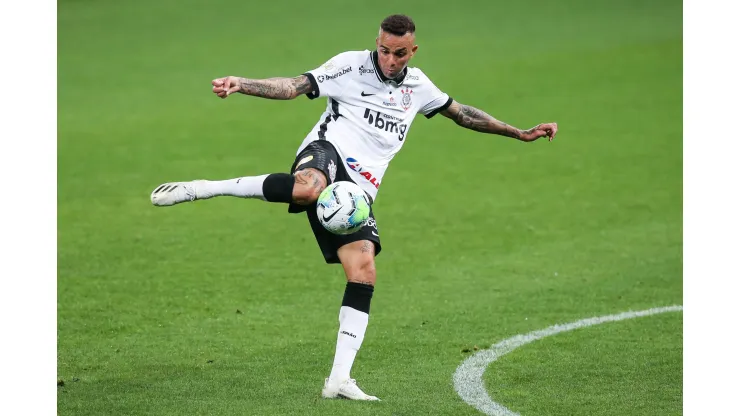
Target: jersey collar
x,y
381,76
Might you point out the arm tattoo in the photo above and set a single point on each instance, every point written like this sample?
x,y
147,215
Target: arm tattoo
x,y
475,119
275,88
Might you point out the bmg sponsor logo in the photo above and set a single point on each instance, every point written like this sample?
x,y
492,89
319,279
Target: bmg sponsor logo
x,y
385,122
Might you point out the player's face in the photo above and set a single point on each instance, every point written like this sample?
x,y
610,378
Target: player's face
x,y
394,52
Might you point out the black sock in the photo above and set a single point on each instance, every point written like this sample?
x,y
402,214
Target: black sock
x,y
278,187
357,296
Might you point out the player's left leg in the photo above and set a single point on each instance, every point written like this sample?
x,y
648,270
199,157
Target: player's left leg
x,y
358,261
313,169
172,193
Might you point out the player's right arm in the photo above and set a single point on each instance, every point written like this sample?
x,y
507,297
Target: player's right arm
x,y
272,88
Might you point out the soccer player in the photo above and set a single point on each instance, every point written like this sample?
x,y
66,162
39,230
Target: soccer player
x,y
372,98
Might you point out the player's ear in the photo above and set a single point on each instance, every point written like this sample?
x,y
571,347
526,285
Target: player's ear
x,y
413,50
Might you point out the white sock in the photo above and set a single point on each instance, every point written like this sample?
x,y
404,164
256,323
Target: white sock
x,y
245,187
352,326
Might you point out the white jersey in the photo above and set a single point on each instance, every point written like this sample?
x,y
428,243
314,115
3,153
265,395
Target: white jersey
x,y
368,116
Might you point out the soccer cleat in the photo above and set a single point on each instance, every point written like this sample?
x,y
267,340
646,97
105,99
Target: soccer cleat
x,y
346,389
172,193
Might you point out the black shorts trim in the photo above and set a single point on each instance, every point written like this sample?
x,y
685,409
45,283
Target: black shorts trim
x,y
443,107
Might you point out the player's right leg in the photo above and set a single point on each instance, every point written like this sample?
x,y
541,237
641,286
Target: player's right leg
x,y
358,261
303,188
356,252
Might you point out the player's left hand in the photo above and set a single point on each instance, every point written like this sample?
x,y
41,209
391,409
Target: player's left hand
x,y
541,130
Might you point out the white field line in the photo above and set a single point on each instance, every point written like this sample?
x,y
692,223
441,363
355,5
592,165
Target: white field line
x,y
468,377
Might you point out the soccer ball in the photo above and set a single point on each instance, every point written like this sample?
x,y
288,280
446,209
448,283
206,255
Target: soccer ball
x,y
343,208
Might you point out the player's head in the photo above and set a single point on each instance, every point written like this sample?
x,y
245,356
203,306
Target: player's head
x,y
395,44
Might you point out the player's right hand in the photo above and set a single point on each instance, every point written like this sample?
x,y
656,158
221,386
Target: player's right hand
x,y
223,87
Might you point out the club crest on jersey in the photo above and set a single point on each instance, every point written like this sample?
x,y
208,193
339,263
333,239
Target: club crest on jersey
x,y
355,165
406,98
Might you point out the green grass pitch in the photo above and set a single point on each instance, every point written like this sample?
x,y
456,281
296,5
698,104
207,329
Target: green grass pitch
x,y
225,307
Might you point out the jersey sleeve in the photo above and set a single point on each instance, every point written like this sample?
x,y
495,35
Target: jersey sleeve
x,y
329,79
435,101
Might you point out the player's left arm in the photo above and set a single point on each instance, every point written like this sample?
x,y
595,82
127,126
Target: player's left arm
x,y
475,119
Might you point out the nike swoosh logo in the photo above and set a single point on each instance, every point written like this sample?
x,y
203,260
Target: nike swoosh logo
x,y
365,95
330,216
375,234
